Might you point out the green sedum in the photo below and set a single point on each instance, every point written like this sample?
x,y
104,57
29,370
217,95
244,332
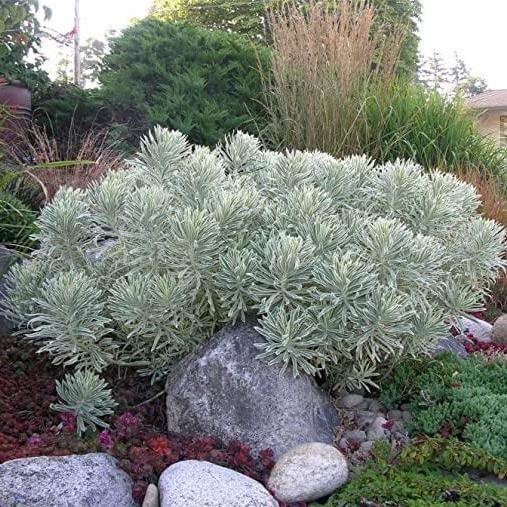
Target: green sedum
x,y
349,266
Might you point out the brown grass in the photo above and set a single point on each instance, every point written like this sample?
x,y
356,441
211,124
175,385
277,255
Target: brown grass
x,y
326,58
35,146
493,198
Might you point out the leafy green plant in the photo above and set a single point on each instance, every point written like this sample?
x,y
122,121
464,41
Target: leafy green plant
x,y
349,266
17,222
389,479
86,396
451,395
204,83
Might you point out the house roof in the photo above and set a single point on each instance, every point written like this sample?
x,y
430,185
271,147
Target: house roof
x,y
490,99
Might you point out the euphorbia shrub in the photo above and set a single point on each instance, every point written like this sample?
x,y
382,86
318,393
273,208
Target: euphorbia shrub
x,y
348,265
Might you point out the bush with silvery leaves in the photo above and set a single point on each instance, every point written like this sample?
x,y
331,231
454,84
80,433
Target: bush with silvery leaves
x,y
349,266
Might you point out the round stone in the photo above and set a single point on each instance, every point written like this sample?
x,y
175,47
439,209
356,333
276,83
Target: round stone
x,y
350,401
500,329
308,472
200,483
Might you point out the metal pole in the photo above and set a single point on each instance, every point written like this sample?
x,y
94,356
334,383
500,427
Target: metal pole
x,y
77,56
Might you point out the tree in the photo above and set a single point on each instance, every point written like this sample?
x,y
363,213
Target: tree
x,y
204,83
434,73
248,17
464,82
19,35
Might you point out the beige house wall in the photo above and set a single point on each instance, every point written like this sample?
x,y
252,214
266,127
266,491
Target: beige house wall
x,y
489,124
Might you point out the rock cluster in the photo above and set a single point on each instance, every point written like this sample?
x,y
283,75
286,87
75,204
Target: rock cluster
x,y
366,420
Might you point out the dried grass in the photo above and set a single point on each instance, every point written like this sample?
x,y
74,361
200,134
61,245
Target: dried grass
x,y
325,59
35,146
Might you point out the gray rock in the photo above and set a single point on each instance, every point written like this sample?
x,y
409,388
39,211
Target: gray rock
x,y
480,329
376,406
377,431
363,405
223,390
364,418
343,443
366,446
151,498
308,472
350,401
395,414
450,344
406,415
500,329
195,483
64,481
355,435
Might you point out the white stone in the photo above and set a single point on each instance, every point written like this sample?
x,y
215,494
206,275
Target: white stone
x,y
500,329
308,472
195,483
62,481
151,497
480,329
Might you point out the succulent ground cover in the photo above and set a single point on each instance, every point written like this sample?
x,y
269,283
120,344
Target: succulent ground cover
x,y
448,395
137,437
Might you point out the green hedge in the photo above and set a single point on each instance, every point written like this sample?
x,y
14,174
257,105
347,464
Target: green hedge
x,y
204,83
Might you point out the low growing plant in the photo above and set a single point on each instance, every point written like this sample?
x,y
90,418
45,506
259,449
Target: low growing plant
x,y
393,480
349,266
449,395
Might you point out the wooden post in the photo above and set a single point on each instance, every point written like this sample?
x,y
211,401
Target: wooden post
x,y
77,56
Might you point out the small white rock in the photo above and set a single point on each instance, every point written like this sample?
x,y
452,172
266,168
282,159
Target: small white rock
x,y
151,498
480,329
308,472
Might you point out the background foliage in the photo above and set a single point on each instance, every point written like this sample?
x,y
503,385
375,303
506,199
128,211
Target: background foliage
x,y
204,83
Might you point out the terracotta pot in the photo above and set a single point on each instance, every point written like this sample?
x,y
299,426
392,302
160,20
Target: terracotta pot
x,y
17,100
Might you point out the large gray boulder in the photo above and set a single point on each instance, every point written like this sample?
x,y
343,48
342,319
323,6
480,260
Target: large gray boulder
x,y
223,390
308,472
195,483
65,481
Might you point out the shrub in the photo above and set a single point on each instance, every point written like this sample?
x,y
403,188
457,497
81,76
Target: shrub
x,y
16,222
396,480
349,266
449,395
204,83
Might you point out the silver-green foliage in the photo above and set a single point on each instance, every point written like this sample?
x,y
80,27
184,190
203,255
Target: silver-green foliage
x,y
86,396
348,265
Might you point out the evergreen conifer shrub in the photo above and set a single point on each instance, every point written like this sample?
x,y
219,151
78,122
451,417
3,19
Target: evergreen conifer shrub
x,y
348,265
